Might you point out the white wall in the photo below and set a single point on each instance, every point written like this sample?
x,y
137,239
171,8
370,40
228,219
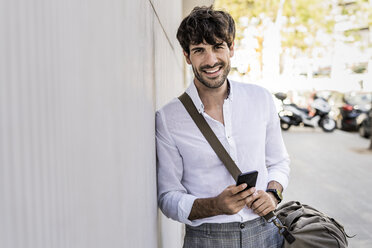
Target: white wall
x,y
79,84
169,83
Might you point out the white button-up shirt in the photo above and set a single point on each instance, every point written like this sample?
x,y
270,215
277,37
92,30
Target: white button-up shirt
x,y
187,166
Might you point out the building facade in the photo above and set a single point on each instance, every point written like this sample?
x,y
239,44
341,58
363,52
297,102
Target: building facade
x,y
80,82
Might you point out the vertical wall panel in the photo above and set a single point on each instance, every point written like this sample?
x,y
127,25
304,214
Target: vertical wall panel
x,y
79,83
168,77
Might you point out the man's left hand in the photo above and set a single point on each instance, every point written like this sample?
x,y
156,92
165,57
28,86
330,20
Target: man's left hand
x,y
262,203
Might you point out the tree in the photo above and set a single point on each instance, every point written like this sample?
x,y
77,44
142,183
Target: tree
x,y
304,23
302,19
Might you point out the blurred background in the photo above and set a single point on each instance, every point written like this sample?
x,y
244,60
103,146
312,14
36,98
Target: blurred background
x,y
80,82
315,56
306,49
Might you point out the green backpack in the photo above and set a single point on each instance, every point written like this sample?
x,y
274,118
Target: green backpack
x,y
310,227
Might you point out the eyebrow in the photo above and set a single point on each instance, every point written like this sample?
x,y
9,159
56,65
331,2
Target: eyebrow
x,y
195,48
217,44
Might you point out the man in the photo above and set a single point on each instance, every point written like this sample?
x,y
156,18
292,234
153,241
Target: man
x,y
194,187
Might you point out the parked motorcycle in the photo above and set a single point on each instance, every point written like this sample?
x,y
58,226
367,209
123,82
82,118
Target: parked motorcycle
x,y
291,114
365,124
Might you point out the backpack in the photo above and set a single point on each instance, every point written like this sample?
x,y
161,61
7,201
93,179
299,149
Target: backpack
x,y
310,227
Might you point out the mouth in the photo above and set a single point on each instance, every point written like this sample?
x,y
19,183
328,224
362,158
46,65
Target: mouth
x,y
213,72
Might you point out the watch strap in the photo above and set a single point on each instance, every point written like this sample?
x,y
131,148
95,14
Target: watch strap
x,y
276,194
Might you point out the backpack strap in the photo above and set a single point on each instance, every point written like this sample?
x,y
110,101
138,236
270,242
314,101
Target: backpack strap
x,y
224,156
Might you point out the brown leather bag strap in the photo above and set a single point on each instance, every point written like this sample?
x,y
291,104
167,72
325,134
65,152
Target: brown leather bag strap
x,y
208,133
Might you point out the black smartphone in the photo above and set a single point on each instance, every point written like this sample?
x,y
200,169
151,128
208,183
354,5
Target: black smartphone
x,y
249,178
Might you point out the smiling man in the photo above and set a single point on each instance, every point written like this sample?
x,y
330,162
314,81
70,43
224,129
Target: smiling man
x,y
215,74
194,187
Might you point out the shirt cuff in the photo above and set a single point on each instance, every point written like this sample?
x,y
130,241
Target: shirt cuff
x,y
280,178
184,208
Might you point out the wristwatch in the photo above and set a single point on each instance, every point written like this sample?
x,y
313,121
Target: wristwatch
x,y
276,193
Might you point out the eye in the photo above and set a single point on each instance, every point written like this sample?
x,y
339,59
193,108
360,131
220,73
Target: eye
x,y
197,51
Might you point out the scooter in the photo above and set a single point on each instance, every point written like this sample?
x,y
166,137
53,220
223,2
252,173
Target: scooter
x,y
291,114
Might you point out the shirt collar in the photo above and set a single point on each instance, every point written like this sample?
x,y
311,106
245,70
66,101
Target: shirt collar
x,y
193,93
230,93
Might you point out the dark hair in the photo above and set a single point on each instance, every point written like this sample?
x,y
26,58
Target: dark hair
x,y
207,24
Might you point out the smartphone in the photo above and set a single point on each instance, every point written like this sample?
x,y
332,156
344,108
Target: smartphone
x,y
249,178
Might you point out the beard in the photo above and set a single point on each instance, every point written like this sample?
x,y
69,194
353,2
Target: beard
x,y
215,82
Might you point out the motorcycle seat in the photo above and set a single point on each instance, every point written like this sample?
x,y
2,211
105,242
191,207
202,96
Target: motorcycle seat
x,y
301,109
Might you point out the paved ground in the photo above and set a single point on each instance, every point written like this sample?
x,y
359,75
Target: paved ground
x,y
333,173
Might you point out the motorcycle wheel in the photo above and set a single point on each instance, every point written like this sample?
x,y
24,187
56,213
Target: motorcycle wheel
x,y
362,131
284,125
327,124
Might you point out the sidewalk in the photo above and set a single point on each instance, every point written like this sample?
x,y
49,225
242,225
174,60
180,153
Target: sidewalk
x,y
333,173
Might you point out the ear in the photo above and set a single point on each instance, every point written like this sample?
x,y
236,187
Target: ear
x,y
187,57
231,48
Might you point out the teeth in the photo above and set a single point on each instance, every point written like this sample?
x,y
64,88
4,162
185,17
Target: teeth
x,y
213,71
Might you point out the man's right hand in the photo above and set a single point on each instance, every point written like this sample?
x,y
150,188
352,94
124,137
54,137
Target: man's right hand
x,y
230,201
233,199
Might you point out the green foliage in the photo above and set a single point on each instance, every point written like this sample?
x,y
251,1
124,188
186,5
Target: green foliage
x,y
303,18
248,8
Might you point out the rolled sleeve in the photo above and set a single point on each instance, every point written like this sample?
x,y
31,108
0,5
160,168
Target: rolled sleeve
x,y
173,199
277,158
184,208
281,175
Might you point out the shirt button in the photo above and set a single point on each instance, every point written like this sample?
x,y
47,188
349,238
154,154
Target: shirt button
x,y
242,225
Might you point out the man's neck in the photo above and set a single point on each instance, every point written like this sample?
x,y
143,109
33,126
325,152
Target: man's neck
x,y
212,98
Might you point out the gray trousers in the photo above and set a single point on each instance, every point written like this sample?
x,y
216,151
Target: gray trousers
x,y
255,233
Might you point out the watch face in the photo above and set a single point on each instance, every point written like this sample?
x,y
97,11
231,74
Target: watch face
x,y
280,194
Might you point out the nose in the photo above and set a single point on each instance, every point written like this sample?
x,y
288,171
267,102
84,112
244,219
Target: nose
x,y
211,58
